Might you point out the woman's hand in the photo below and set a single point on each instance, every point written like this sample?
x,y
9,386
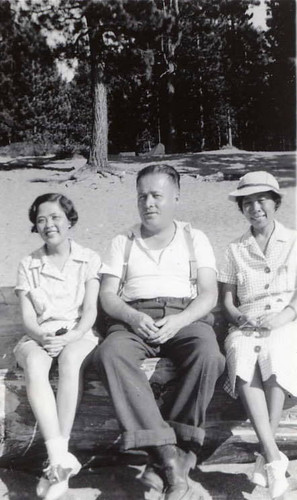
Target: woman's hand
x,y
275,320
71,336
53,345
45,338
244,321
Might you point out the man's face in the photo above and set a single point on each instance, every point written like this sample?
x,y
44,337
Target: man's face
x,y
157,201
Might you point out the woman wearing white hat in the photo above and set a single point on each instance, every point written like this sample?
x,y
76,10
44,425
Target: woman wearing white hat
x,y
259,277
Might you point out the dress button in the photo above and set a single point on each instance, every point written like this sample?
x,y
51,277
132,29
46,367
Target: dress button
x,y
267,307
257,348
266,286
267,269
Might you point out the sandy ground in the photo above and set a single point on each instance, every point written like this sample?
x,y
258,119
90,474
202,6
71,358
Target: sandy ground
x,y
107,206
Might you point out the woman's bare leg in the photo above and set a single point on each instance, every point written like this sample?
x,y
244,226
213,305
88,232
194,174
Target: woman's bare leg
x,y
36,364
71,363
253,397
275,397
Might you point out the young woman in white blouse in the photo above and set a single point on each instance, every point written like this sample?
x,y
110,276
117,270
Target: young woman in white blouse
x,y
58,288
259,294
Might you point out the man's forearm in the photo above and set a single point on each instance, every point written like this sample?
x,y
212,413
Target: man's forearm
x,y
115,307
199,307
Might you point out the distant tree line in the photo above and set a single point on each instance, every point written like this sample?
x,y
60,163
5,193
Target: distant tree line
x,y
193,74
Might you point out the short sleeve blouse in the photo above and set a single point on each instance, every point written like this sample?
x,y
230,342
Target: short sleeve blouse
x,y
265,283
58,295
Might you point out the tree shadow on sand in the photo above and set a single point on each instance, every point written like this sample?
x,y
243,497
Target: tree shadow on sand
x,y
105,483
51,163
223,485
17,485
204,166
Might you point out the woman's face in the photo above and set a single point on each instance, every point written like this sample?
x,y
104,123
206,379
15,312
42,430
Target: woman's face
x,y
52,223
259,209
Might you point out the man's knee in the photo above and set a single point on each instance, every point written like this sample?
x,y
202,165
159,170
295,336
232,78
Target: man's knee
x,y
108,352
209,352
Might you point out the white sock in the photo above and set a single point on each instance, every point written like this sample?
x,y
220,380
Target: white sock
x,y
56,449
66,441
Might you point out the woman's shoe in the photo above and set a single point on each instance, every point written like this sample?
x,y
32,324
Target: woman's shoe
x,y
42,486
54,482
43,483
58,478
71,461
259,475
276,473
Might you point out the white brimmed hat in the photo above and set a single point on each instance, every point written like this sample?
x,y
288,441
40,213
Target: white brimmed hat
x,y
255,182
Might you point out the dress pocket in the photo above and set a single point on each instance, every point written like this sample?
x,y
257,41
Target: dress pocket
x,y
283,281
242,285
247,285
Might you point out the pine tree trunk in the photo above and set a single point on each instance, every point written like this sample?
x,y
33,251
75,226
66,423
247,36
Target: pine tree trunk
x,y
230,140
168,47
98,152
98,159
201,109
171,132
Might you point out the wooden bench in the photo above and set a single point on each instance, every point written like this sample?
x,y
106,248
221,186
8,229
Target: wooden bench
x,y
229,437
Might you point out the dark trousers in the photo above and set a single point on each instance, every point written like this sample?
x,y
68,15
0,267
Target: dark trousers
x,y
196,355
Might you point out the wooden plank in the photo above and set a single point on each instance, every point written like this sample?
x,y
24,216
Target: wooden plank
x,y
96,426
241,449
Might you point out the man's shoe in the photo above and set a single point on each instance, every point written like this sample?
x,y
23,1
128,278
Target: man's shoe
x,y
259,475
151,477
179,492
54,482
276,473
175,470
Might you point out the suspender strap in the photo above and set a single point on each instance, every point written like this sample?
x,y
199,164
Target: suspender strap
x,y
192,258
127,251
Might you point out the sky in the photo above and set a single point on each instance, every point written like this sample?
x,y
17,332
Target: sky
x,y
259,15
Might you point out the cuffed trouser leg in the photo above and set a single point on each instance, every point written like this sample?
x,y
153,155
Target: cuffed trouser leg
x,y
196,354
118,361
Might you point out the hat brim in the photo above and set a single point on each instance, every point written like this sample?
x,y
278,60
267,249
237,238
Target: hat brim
x,y
246,191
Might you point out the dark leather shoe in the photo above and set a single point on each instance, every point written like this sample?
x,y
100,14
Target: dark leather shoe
x,y
175,470
180,493
151,477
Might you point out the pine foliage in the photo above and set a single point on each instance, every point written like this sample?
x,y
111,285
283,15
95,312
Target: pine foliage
x,y
193,74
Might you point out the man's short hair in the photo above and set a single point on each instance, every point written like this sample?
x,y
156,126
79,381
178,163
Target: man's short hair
x,y
171,173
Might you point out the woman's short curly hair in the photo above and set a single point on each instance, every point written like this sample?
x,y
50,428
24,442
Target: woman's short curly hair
x,y
64,202
276,198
